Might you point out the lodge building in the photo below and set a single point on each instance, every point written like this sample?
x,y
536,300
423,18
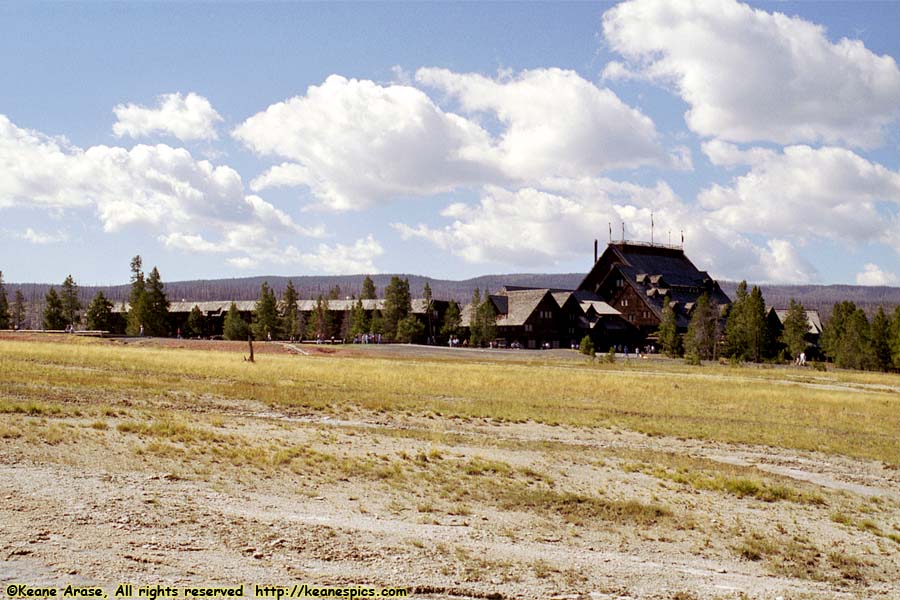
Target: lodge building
x,y
618,303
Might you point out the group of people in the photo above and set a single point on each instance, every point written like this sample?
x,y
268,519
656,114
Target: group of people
x,y
367,338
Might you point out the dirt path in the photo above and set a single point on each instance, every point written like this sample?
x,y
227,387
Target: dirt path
x,y
82,522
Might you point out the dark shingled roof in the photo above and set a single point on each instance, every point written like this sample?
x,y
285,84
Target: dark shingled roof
x,y
520,305
656,271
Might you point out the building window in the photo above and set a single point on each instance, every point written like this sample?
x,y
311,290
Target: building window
x,y
624,302
528,327
620,283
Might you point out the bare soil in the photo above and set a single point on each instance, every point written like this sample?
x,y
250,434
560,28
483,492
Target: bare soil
x,y
105,513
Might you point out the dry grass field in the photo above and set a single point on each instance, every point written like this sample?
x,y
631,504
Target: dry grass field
x,y
454,473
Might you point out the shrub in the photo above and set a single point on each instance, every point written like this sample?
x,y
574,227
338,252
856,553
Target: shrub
x,y
587,346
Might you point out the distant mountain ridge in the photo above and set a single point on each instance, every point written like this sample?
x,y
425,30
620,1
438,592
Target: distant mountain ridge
x,y
818,297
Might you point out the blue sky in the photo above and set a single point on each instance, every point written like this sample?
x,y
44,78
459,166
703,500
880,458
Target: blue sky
x,y
452,140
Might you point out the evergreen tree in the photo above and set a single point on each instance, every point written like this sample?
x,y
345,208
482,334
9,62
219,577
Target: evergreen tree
x,y
54,318
452,320
429,309
397,305
235,327
854,347
737,342
700,341
796,328
475,323
290,313
586,346
880,339
265,323
99,315
834,329
137,299
359,324
757,327
409,329
71,305
895,338
669,340
334,293
368,289
17,314
320,325
196,322
376,323
157,306
487,319
4,305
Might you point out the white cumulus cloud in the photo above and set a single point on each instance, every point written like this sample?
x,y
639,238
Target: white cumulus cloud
x,y
356,143
751,75
555,122
872,274
187,118
543,226
803,192
192,205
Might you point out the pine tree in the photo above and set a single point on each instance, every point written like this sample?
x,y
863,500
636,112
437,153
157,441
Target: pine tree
x,y
54,318
700,340
358,322
669,340
17,314
320,325
452,320
334,293
137,300
796,328
196,322
99,315
290,313
880,340
487,319
376,323
586,346
475,324
235,327
757,327
895,338
429,309
834,329
69,298
265,323
397,305
368,289
409,329
854,347
4,305
157,306
737,342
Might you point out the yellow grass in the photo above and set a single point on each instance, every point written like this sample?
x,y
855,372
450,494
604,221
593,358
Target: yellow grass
x,y
846,413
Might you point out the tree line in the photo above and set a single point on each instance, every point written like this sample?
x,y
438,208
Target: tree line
x,y
148,313
746,333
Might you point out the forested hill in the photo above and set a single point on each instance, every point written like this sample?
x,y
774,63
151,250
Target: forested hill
x,y
819,297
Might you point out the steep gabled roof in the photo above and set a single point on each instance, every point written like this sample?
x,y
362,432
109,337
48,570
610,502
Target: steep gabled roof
x,y
812,319
521,304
